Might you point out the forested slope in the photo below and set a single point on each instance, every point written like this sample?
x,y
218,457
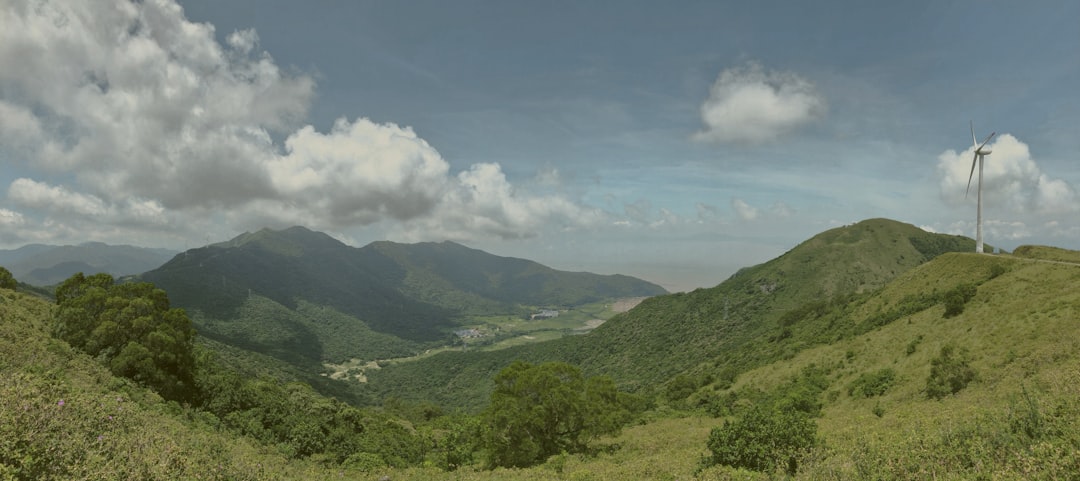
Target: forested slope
x,y
728,326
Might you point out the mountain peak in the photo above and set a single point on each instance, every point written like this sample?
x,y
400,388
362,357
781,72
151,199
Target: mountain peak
x,y
293,241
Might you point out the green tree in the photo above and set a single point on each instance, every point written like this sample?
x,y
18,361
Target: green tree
x,y
540,410
949,372
132,329
763,439
957,297
7,281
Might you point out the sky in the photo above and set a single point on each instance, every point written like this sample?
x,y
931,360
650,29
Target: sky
x,y
673,141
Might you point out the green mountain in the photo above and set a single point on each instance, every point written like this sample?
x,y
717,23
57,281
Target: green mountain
x,y
305,298
734,325
44,265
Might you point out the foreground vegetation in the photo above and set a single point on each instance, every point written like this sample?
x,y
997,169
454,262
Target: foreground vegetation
x,y
121,363
966,367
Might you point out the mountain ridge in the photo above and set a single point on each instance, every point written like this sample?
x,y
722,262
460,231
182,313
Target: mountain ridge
x,y
44,265
414,291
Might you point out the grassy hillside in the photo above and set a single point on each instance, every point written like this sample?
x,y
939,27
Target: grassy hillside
x,y
1018,419
716,332
64,416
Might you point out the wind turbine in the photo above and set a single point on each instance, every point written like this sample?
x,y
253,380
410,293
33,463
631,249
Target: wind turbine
x,y
981,151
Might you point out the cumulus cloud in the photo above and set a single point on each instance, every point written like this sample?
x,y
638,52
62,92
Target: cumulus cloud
x,y
482,201
1011,180
751,105
361,172
743,210
10,218
39,195
127,113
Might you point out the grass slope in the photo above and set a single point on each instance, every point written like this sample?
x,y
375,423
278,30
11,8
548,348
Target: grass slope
x,y
1019,419
64,416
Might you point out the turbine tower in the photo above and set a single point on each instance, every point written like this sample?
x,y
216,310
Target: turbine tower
x,y
981,151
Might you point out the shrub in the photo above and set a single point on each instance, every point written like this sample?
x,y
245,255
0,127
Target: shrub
x,y
763,439
949,372
7,281
956,297
878,410
679,388
913,345
870,384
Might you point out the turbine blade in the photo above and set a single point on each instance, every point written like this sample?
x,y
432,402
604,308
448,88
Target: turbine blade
x,y
973,160
973,141
988,137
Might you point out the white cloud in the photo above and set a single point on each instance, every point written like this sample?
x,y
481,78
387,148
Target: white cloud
x,y
361,172
482,203
750,105
1011,180
10,218
126,114
18,127
743,210
39,195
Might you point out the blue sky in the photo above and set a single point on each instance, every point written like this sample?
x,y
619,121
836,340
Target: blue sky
x,y
674,141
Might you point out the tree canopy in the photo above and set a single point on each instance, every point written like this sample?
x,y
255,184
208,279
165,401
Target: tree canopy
x,y
131,327
7,281
540,410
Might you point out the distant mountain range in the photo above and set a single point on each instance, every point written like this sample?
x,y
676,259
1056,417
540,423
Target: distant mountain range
x,y
412,291
45,265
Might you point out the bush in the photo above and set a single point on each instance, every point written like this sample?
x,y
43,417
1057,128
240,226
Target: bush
x,y
956,297
763,439
7,281
949,372
870,384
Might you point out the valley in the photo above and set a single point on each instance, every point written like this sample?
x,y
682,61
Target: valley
x,y
491,333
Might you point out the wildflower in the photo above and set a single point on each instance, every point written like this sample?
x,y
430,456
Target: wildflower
x,y
60,403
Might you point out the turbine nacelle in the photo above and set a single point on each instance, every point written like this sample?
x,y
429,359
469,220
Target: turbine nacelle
x,y
981,150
